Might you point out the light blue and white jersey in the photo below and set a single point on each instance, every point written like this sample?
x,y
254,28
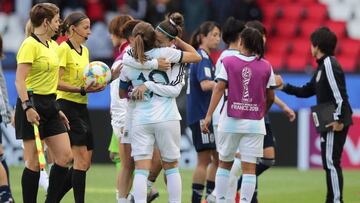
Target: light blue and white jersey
x,y
159,104
118,106
233,125
225,53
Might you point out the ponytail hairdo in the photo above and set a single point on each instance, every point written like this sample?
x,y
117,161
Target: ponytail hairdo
x,y
145,39
28,28
203,30
253,41
172,26
72,19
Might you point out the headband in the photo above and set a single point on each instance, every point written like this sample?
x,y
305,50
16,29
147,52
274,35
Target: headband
x,y
166,33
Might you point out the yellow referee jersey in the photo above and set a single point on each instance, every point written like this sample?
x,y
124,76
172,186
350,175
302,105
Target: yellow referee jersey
x,y
74,64
44,73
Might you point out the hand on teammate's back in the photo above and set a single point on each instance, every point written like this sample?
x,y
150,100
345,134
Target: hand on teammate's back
x,y
139,92
163,64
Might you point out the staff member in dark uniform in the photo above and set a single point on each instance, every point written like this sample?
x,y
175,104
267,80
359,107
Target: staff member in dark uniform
x,y
38,70
328,84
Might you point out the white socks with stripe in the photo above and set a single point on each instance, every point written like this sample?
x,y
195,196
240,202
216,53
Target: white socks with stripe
x,y
173,185
233,180
221,182
140,186
122,200
247,188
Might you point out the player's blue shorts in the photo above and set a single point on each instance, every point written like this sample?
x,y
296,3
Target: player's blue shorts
x,y
202,141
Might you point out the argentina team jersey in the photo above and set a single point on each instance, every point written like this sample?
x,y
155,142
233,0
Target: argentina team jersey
x,y
159,104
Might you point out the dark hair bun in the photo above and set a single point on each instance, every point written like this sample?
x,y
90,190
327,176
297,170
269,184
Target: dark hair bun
x,y
176,18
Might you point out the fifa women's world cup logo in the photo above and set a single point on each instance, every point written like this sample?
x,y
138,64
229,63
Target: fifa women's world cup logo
x,y
246,76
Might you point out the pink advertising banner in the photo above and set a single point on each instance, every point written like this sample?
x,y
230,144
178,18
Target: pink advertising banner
x,y
351,153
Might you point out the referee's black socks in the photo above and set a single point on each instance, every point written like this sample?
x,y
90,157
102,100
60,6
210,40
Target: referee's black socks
x,y
78,183
30,185
56,181
67,184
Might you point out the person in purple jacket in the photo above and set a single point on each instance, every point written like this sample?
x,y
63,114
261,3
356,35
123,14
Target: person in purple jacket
x,y
249,80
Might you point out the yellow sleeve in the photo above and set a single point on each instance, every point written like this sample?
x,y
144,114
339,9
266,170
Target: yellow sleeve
x,y
62,53
27,52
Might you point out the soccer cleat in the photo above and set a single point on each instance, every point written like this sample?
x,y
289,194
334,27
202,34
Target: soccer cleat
x,y
237,198
152,195
6,197
211,199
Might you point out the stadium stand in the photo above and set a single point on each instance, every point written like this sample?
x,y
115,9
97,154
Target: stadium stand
x,y
291,22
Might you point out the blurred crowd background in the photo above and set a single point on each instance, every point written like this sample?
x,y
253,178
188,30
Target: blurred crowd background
x,y
289,24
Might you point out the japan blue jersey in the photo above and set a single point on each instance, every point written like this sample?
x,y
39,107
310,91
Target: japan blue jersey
x,y
197,101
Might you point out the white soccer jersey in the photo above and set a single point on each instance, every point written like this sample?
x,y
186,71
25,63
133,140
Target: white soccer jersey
x,y
118,106
225,53
159,104
233,125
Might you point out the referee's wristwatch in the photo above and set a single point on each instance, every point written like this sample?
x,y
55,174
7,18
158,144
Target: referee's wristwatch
x,y
82,91
26,105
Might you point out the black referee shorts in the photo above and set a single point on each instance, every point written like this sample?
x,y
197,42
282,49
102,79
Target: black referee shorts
x,y
269,139
80,132
202,141
50,121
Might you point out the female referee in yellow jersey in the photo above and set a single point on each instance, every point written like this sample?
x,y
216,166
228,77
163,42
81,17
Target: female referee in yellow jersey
x,y
38,70
72,97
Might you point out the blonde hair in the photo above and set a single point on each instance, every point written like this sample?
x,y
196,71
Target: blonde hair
x,y
28,28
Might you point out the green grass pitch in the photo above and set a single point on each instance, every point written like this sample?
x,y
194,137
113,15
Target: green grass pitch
x,y
277,185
